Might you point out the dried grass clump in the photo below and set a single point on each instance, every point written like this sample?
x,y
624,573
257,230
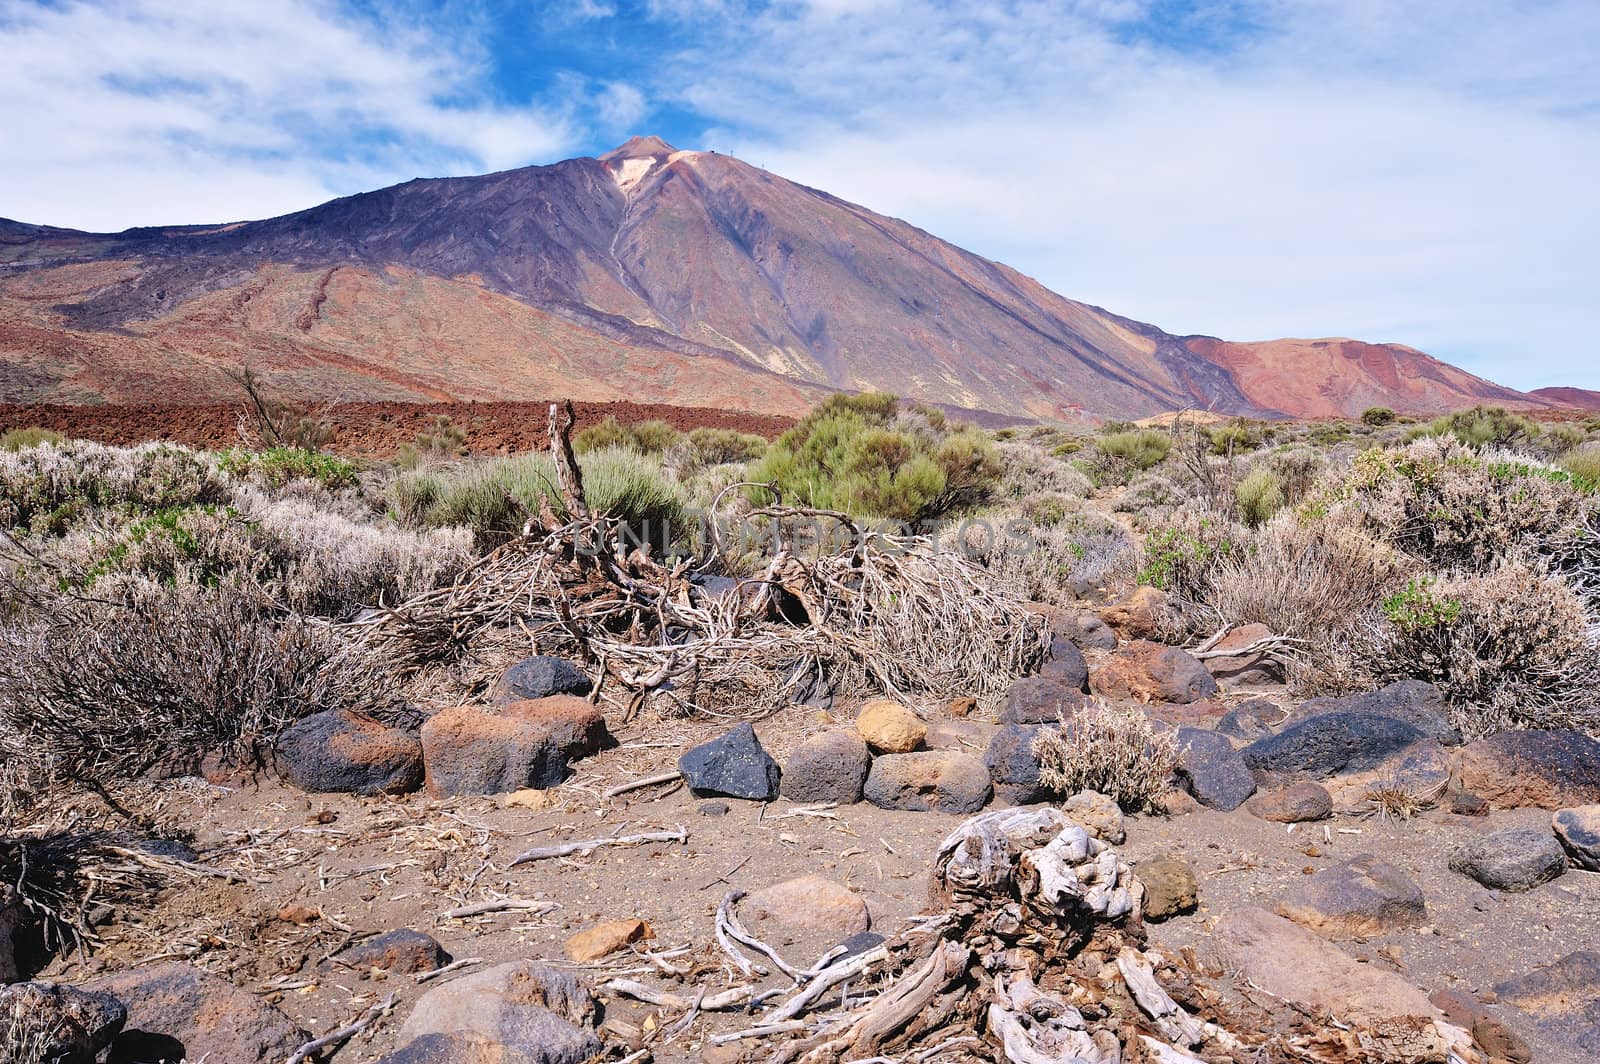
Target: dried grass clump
x,y
92,692
1111,749
1511,648
1027,469
1037,553
1306,580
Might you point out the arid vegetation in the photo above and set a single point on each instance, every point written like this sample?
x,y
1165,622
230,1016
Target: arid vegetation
x,y
1082,602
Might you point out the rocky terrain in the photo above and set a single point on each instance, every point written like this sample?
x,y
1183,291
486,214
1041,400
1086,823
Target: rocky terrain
x,y
1252,743
688,277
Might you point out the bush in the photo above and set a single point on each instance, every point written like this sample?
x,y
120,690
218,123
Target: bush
x,y
1235,437
712,447
1141,448
1486,426
1043,556
496,497
1259,495
1182,558
48,489
1111,749
278,467
1378,416
22,438
1511,648
442,441
1454,507
1584,465
1027,470
646,437
96,692
864,455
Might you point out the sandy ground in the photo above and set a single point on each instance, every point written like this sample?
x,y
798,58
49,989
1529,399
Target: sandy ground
x,y
372,865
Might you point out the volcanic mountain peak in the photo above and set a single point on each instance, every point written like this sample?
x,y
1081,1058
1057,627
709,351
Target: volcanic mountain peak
x,y
651,147
649,273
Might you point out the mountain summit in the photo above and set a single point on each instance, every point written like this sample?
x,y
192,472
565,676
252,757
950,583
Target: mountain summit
x,y
648,273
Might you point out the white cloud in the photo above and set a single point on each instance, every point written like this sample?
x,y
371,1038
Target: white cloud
x,y
162,111
1408,172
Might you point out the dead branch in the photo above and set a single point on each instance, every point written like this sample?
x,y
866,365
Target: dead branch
x,y
343,1034
588,846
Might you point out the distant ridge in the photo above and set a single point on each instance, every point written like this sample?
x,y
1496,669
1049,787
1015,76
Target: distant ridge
x,y
647,274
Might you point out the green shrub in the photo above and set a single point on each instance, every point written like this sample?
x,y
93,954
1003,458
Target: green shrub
x,y
646,437
1486,426
1236,437
1584,465
709,447
497,497
47,490
1378,416
1142,448
1182,558
1260,495
864,455
279,466
20,438
442,441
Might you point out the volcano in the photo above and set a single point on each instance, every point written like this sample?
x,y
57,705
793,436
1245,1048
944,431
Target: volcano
x,y
646,274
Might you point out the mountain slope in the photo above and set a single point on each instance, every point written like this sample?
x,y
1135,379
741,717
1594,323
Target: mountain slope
x,y
647,273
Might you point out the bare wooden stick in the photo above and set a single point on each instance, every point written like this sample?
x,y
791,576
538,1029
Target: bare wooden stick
x,y
640,784
539,908
765,1030
827,978
725,937
720,1002
588,846
343,1034
453,966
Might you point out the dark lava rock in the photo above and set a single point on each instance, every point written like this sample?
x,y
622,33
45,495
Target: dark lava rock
x,y
1067,664
1330,743
1579,831
1214,771
734,765
539,677
340,752
1515,860
1418,703
403,950
1567,989
1041,700
1014,767
179,1012
58,1024
828,767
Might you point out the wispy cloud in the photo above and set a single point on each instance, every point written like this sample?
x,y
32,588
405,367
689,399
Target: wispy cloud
x,y
1408,172
163,110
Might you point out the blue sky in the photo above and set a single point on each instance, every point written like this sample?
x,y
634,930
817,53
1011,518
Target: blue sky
x,y
1402,171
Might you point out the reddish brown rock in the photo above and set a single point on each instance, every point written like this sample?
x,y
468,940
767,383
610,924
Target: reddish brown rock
x,y
604,939
178,1012
1542,769
1501,1043
1235,670
811,903
1294,804
484,750
1360,898
1142,615
1150,672
338,751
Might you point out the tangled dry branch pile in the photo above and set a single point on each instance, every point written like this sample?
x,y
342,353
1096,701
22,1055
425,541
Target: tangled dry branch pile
x,y
881,611
1031,952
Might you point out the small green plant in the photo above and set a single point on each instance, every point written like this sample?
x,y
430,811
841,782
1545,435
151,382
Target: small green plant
x,y
20,438
1260,495
1417,606
1236,437
1178,560
1378,416
1583,463
710,447
279,466
442,440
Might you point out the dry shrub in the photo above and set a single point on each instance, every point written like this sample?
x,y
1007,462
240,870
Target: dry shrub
x,y
1455,508
94,692
1026,469
1511,648
1052,557
1183,557
1111,749
1305,580
46,489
